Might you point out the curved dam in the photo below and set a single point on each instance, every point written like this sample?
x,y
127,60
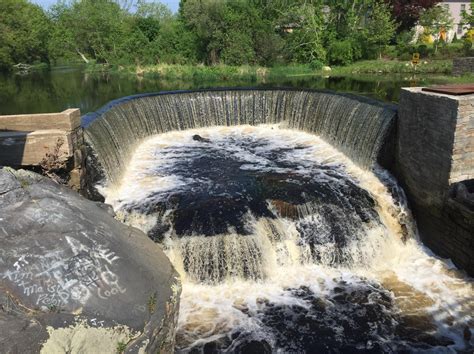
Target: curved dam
x,y
355,125
288,233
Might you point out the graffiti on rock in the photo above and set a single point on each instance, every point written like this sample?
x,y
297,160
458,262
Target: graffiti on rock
x,y
56,278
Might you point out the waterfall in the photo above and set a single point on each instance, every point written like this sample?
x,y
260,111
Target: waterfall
x,y
284,244
287,234
355,125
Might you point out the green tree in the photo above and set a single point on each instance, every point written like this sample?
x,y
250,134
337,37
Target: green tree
x,y
176,44
346,29
380,27
345,19
93,29
145,26
155,10
468,17
435,20
305,42
205,19
231,32
24,33
468,23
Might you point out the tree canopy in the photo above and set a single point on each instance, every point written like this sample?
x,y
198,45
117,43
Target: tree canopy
x,y
24,33
233,32
407,12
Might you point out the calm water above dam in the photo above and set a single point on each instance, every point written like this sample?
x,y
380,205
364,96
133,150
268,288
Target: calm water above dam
x,y
66,87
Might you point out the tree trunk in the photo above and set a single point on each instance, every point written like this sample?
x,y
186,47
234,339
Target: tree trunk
x,y
82,56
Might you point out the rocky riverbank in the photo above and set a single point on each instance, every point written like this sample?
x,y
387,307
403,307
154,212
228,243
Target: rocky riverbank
x,y
73,279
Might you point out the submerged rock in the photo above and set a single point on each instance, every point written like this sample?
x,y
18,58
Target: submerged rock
x,y
73,279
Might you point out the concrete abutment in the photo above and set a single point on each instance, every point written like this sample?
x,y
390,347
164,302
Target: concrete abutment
x,y
434,162
45,141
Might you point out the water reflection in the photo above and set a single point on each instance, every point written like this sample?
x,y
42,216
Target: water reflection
x,y
66,87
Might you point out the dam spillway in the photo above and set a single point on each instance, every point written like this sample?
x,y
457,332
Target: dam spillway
x,y
355,125
287,234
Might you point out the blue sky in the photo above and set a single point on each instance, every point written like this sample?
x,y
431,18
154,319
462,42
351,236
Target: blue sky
x,y
172,4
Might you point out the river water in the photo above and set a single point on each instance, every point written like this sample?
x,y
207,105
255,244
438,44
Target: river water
x,y
284,245
70,87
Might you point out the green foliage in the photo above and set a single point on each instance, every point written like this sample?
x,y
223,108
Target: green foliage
x,y
305,42
393,66
24,32
365,26
108,34
468,23
121,347
435,20
176,44
341,52
93,29
468,47
404,42
380,28
468,17
154,10
234,32
316,64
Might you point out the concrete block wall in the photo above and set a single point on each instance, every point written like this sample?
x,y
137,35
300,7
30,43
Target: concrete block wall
x,y
434,164
25,140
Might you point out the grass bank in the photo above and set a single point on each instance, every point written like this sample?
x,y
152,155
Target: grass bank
x,y
396,67
258,74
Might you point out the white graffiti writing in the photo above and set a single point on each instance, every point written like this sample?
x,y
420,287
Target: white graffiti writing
x,y
56,279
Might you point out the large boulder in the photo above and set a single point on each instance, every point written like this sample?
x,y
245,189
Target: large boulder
x,y
73,279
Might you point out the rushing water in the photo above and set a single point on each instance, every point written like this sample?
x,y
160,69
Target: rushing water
x,y
66,87
285,245
356,125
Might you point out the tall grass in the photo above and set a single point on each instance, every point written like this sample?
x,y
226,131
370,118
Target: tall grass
x,y
250,73
396,67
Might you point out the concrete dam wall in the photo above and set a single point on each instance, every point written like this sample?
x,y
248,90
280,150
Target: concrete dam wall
x,y
355,125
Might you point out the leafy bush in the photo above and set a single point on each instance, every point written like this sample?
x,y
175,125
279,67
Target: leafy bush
x,y
450,51
341,52
316,64
468,43
405,56
424,50
468,49
390,52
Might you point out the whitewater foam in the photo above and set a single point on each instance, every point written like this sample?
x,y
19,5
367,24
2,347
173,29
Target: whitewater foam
x,y
292,255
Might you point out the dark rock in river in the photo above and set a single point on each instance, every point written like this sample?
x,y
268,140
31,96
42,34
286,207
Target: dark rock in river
x,y
73,279
199,138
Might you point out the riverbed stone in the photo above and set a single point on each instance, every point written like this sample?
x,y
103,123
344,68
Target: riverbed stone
x,y
73,279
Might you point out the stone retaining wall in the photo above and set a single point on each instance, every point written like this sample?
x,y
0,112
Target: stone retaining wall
x,y
463,66
435,165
